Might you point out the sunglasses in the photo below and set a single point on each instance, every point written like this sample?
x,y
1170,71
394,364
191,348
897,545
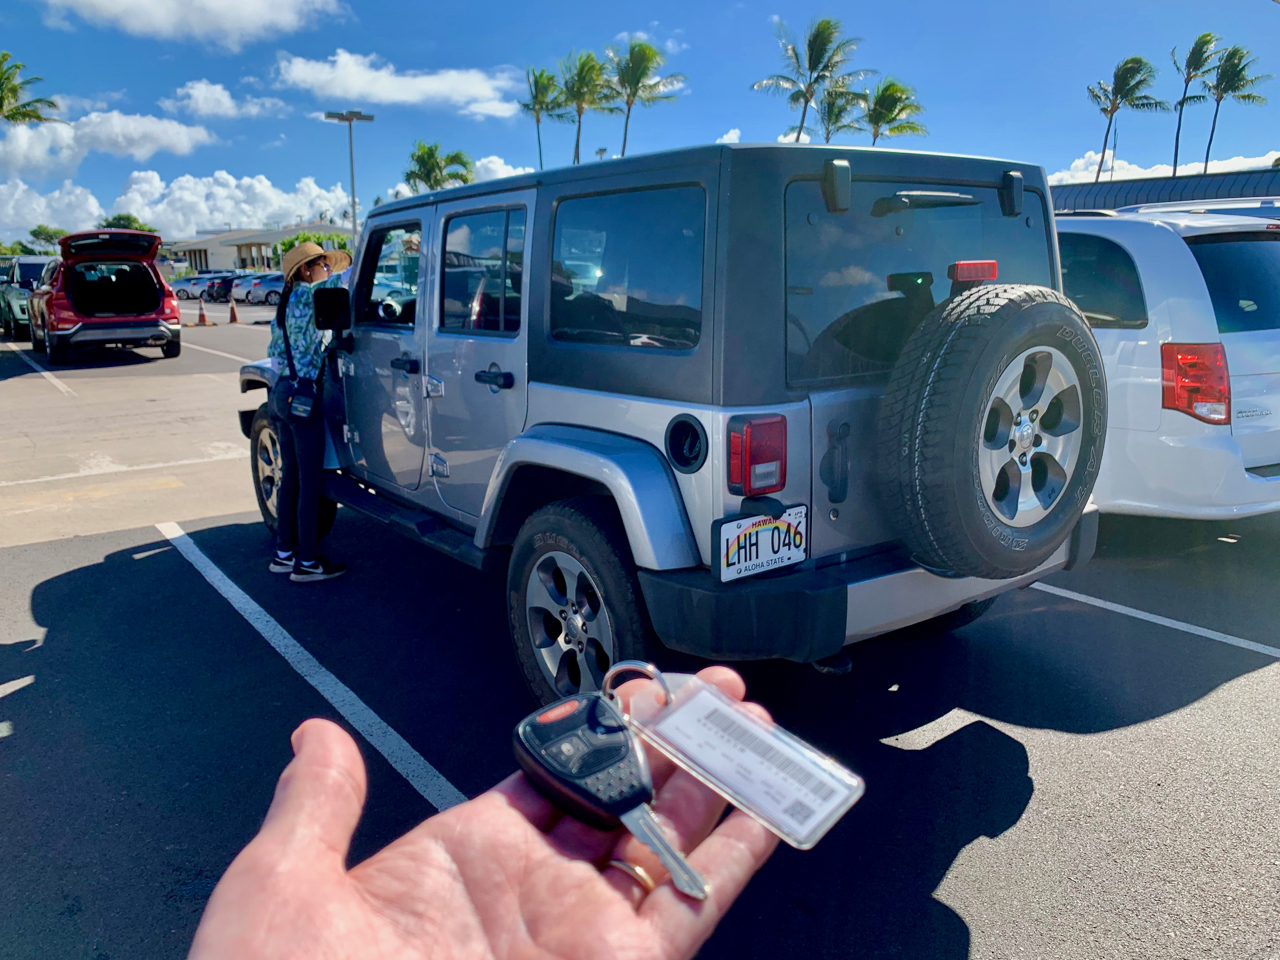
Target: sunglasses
x,y
319,262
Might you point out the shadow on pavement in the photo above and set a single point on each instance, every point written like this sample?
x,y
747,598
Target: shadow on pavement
x,y
161,722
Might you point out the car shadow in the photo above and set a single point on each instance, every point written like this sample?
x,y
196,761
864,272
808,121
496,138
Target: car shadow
x,y
94,358
161,716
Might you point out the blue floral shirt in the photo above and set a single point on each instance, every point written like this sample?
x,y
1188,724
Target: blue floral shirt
x,y
308,343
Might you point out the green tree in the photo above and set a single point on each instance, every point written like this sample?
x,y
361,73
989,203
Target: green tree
x,y
585,87
810,68
1276,163
124,221
13,107
546,99
46,238
835,112
1198,64
1130,79
429,169
633,75
889,109
1231,80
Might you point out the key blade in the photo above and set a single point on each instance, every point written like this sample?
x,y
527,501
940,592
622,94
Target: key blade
x,y
644,827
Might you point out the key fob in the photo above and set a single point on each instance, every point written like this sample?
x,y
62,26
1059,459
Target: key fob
x,y
580,755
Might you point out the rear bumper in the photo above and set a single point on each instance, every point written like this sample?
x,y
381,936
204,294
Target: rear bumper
x,y
125,333
1198,476
811,614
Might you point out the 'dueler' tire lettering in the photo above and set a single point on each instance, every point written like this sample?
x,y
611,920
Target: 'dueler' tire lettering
x,y
991,431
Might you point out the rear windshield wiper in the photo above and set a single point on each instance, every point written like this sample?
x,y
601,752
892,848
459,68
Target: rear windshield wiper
x,y
920,200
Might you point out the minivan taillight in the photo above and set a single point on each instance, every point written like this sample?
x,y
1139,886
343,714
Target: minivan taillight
x,y
1196,381
757,455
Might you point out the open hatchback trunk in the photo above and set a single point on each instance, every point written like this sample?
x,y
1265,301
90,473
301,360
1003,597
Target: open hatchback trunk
x,y
110,273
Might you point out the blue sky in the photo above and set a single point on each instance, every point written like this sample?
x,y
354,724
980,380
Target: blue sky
x,y
196,113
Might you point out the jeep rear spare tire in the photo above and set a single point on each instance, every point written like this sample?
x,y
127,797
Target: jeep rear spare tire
x,y
991,431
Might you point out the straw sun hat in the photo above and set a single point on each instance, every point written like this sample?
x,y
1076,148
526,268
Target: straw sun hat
x,y
307,251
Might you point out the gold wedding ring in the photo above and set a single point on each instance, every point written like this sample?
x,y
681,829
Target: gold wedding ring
x,y
638,874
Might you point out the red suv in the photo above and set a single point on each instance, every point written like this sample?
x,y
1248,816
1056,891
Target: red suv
x,y
104,289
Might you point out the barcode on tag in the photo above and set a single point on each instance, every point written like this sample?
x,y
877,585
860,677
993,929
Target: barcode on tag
x,y
770,755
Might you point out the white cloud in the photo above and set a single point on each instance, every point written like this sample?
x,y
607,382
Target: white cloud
x,y
49,148
791,137
674,46
201,98
399,191
1083,169
733,136
188,203
69,103
69,207
226,23
353,77
640,35
491,168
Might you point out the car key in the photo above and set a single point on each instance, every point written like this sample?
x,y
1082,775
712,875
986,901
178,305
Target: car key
x,y
581,756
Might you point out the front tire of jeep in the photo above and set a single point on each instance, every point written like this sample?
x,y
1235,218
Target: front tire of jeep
x,y
991,431
265,463
573,600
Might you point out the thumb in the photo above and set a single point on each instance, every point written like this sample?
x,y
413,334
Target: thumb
x,y
319,796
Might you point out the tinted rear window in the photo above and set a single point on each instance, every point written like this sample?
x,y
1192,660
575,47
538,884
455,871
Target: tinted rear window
x,y
1242,272
627,268
859,282
30,271
1102,280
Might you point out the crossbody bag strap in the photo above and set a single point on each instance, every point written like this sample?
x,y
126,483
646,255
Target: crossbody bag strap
x,y
284,332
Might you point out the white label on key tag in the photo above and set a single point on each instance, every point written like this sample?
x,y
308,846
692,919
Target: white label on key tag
x,y
791,788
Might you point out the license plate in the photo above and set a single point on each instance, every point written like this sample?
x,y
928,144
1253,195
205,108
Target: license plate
x,y
751,545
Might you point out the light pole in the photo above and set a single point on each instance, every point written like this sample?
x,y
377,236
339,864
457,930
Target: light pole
x,y
348,118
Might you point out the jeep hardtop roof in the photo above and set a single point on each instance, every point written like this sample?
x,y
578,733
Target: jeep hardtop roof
x,y
957,166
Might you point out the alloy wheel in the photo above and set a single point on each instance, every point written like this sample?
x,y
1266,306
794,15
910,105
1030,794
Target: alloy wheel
x,y
1031,436
569,625
266,467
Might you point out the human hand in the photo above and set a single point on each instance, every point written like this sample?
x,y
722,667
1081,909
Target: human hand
x,y
505,875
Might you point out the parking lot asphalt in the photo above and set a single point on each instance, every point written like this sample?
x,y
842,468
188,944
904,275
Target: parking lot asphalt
x,y
1055,780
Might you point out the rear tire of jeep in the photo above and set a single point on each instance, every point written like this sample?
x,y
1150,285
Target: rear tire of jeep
x,y
573,601
264,465
991,431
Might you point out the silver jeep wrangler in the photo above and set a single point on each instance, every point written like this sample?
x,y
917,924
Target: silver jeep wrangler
x,y
739,402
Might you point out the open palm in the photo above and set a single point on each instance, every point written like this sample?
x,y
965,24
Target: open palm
x,y
502,876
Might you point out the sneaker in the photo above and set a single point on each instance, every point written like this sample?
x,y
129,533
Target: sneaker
x,y
282,563
319,570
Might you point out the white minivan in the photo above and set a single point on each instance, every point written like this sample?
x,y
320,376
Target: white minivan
x,y
1185,307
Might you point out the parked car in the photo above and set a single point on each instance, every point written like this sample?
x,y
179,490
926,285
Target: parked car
x,y
104,290
267,288
743,402
241,284
189,287
218,288
1267,208
16,283
1185,307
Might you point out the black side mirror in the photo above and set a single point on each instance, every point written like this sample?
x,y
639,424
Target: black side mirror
x,y
333,308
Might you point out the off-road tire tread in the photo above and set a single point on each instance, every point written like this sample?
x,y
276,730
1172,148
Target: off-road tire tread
x,y
914,459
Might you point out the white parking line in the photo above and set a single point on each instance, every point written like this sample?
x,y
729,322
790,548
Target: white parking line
x,y
108,466
1162,621
188,345
40,370
425,778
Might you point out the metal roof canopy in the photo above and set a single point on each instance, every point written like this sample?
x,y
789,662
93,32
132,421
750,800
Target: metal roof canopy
x,y
1108,195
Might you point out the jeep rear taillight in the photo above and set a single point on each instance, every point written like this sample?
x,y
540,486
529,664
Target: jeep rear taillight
x,y
757,455
1196,381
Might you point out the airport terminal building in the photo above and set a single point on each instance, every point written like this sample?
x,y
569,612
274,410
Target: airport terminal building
x,y
1110,194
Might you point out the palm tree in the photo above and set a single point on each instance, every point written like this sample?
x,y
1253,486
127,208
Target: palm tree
x,y
633,76
813,67
13,108
1231,79
1131,77
545,100
1198,64
835,112
429,169
585,88
889,109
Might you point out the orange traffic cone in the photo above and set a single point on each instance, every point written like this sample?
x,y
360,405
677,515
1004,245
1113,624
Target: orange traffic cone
x,y
203,319
235,317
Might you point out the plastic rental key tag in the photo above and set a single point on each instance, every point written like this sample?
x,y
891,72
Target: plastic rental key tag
x,y
791,788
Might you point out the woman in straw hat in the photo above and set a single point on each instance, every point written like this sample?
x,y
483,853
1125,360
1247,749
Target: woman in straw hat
x,y
298,350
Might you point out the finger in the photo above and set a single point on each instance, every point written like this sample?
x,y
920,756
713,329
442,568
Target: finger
x,y
319,796
727,860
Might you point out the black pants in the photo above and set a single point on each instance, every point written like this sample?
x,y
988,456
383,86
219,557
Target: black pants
x,y
301,480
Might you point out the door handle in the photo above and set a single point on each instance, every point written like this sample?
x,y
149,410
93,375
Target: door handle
x,y
407,364
496,378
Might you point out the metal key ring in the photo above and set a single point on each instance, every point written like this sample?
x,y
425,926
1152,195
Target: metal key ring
x,y
633,666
